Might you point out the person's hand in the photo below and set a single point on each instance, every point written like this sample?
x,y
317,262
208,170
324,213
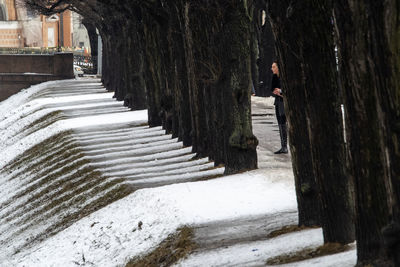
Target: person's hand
x,y
277,92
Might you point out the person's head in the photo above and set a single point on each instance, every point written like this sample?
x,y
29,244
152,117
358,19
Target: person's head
x,y
274,68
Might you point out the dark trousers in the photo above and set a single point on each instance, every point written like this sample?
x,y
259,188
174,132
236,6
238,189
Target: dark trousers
x,y
280,112
281,118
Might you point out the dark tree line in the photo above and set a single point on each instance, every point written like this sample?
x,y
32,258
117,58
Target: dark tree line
x,y
188,62
312,86
192,64
365,173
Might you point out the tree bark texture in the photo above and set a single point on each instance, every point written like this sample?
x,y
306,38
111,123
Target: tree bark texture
x,y
240,143
202,95
267,53
193,69
368,34
307,192
224,76
91,29
153,70
316,64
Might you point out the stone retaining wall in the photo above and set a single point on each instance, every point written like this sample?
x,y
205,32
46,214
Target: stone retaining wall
x,y
21,71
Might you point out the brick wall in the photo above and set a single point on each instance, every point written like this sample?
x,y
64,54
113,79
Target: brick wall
x,y
12,13
9,38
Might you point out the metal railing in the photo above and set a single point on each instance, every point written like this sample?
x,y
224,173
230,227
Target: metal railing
x,y
25,51
87,63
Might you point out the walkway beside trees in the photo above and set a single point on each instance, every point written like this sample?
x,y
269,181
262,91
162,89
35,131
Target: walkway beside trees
x,y
191,63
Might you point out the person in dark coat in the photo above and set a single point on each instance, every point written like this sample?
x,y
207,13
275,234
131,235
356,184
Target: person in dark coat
x,y
279,108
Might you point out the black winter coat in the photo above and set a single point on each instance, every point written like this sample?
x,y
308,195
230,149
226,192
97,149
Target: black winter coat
x,y
276,83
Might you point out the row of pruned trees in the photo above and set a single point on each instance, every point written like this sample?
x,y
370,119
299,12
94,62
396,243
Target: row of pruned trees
x,y
187,62
354,178
192,63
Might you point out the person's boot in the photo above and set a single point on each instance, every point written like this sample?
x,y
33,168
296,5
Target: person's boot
x,y
284,149
283,135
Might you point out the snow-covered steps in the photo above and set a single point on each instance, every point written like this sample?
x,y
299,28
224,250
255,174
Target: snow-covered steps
x,y
70,150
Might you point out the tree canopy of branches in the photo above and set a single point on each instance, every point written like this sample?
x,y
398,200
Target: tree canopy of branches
x,y
192,63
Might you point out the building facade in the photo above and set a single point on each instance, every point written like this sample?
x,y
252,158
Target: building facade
x,y
80,37
20,27
10,29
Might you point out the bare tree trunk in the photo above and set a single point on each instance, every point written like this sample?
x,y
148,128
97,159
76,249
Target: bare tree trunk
x,y
317,68
93,39
135,96
220,74
196,60
152,68
369,45
307,192
182,92
267,54
235,81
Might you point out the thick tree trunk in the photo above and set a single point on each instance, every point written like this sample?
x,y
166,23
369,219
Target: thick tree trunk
x,y
118,79
93,39
182,93
240,143
254,49
152,69
267,57
267,54
197,61
307,192
324,120
106,61
221,132
215,77
369,59
135,97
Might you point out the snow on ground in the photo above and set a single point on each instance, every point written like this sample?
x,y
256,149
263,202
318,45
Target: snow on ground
x,y
15,117
111,236
257,253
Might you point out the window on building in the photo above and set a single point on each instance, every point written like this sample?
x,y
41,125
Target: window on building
x,y
81,44
3,16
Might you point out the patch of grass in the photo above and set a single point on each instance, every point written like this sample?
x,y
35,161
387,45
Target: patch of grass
x,y
39,149
44,175
45,188
288,229
69,190
68,217
308,253
68,148
175,247
43,122
50,163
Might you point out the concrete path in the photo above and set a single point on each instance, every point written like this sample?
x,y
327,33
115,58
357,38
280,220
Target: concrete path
x,y
226,234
